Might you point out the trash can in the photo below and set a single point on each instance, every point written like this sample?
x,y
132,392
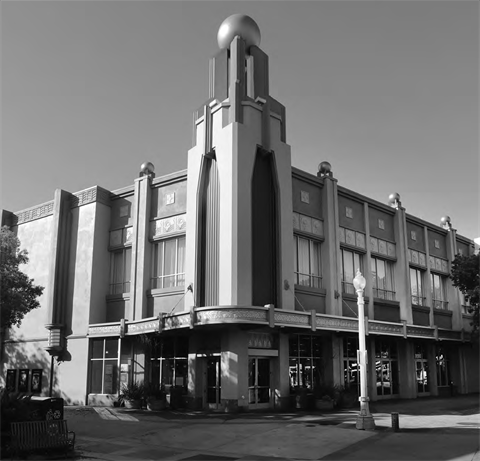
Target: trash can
x,y
45,408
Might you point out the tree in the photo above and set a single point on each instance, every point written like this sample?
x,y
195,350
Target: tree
x,y
18,294
464,274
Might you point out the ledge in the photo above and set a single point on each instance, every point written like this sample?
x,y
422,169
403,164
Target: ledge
x,y
118,297
386,302
160,292
444,312
424,309
311,290
350,297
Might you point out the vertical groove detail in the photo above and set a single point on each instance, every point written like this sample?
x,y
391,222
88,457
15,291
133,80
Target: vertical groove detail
x,y
210,235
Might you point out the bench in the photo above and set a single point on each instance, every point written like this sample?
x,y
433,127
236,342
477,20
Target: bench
x,y
41,435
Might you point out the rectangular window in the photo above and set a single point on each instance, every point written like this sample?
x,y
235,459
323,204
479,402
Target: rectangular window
x,y
386,366
120,270
351,262
104,366
416,284
169,263
438,291
351,368
383,279
307,262
304,361
169,363
443,371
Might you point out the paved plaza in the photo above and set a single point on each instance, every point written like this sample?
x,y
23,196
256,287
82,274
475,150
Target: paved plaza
x,y
430,429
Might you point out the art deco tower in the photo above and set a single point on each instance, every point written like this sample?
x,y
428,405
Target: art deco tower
x,y
239,239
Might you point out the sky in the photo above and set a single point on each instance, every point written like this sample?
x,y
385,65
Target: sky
x,y
386,91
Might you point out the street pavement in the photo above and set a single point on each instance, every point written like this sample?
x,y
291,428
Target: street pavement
x,y
430,429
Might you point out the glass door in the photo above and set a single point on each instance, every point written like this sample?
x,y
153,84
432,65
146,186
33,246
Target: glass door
x,y
421,368
259,382
213,384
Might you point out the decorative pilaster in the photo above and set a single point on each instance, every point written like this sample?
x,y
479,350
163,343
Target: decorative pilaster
x,y
402,269
331,276
427,283
452,293
141,247
56,292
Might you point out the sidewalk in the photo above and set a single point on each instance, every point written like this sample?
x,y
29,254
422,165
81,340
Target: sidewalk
x,y
430,429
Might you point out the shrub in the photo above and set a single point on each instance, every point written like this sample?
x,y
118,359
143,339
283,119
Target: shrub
x,y
155,391
132,391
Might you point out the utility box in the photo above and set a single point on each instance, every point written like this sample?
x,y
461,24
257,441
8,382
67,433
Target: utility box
x,y
45,408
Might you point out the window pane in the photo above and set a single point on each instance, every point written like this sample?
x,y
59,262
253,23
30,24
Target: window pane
x,y
303,261
381,274
127,265
295,257
357,265
315,259
306,373
111,348
348,266
181,367
97,348
389,276
181,262
374,272
293,371
110,378
96,377
293,346
159,260
117,267
305,346
170,247
167,371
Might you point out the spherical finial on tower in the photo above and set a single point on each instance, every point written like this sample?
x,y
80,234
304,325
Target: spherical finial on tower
x,y
238,24
446,222
394,200
324,169
147,169
393,197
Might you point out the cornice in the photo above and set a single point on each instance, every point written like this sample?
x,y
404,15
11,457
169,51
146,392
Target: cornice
x,y
308,177
90,195
32,214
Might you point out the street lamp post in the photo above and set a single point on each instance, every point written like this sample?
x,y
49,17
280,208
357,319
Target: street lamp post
x,y
365,420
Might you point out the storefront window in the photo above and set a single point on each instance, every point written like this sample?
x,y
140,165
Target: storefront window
x,y
351,369
304,361
169,362
421,368
104,366
386,366
443,371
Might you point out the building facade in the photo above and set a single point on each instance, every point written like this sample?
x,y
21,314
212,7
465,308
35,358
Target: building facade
x,y
231,282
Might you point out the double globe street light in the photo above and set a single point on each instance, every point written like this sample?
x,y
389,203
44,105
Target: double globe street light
x,y
365,419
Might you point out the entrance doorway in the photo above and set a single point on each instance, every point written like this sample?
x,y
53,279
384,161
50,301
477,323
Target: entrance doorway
x,y
259,382
213,383
421,370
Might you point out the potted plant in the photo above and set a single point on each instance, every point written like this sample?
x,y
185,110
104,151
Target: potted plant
x,y
327,396
132,394
156,397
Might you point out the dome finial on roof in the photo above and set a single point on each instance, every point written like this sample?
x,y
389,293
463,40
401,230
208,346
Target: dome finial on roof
x,y
238,24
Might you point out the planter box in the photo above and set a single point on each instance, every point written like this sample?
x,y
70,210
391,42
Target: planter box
x,y
133,404
156,405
